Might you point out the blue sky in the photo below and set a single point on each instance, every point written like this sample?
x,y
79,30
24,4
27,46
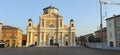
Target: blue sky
x,y
84,12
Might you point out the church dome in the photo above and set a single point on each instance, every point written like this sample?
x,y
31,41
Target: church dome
x,y
71,20
30,19
1,23
50,9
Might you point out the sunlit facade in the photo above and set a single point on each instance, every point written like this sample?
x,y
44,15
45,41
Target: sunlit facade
x,y
113,31
51,29
11,36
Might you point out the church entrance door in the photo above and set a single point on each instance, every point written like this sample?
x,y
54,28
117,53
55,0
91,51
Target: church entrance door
x,y
66,43
51,42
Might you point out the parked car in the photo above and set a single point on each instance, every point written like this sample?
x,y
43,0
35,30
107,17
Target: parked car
x,y
32,45
56,44
2,45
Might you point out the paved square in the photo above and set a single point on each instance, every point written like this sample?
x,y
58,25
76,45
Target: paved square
x,y
56,51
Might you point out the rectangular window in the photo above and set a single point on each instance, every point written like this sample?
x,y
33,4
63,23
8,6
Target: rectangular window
x,y
110,35
35,34
109,25
42,22
118,24
42,35
60,22
118,34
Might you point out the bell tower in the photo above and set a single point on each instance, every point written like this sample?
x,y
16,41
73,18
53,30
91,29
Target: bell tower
x,y
72,24
30,24
72,33
29,32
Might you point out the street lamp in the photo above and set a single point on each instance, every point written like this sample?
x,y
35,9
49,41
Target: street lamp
x,y
101,25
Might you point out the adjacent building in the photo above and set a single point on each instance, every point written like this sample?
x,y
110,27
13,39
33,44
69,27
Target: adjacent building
x,y
24,39
87,36
11,36
78,41
113,31
98,36
51,29
85,39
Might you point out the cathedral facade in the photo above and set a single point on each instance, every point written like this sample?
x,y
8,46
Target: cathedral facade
x,y
51,29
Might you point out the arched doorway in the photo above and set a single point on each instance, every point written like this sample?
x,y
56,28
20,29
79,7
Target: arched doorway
x,y
66,43
66,40
13,43
35,43
51,42
111,44
24,42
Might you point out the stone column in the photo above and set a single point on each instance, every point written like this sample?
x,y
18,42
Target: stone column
x,y
31,38
41,40
71,39
48,40
58,38
62,39
28,39
44,39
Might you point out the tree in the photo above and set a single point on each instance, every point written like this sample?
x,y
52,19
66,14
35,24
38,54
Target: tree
x,y
83,40
91,39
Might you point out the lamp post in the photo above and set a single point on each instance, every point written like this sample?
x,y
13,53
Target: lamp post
x,y
101,25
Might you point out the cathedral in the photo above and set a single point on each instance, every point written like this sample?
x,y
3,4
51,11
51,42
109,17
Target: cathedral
x,y
51,29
